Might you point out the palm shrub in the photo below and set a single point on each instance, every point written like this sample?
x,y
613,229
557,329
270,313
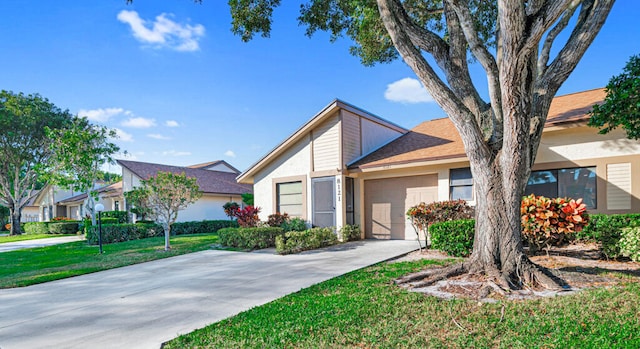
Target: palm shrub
x,y
548,222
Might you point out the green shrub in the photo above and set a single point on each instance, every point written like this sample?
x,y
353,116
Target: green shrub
x,y
607,230
294,224
200,227
630,243
69,227
250,238
123,232
350,233
36,228
297,241
423,215
121,216
453,237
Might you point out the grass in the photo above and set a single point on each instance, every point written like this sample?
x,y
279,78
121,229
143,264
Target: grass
x,y
363,309
37,265
23,237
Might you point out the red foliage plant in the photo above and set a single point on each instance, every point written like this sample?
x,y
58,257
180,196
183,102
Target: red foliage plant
x,y
547,222
248,216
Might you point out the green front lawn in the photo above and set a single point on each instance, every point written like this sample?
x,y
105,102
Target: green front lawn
x,y
23,237
364,309
37,265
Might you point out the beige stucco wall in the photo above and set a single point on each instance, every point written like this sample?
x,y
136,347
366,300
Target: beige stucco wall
x,y
296,161
580,143
209,207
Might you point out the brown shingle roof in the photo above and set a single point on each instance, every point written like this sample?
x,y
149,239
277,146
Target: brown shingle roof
x,y
210,182
438,139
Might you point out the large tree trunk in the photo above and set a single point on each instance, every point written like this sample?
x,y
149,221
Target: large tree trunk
x,y
16,215
167,234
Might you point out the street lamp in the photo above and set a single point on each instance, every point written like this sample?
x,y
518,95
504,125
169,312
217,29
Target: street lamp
x,y
99,208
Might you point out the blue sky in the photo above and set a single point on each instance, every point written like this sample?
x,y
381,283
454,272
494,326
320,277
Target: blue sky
x,y
182,89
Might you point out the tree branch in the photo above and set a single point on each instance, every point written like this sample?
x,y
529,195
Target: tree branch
x,y
553,34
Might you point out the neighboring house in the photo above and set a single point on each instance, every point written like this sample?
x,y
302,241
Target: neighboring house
x,y
110,196
53,201
217,181
328,183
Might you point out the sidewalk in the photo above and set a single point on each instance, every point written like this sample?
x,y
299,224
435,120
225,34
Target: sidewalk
x,y
142,306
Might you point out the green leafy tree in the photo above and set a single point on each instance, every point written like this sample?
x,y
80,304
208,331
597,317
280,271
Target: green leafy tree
x,y
108,177
80,151
26,149
4,216
247,199
621,107
169,193
139,200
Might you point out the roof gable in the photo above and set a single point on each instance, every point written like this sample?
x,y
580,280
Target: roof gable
x,y
210,182
310,125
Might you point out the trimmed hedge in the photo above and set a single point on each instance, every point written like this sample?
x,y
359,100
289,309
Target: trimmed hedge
x,y
249,238
123,232
297,241
121,216
201,227
453,237
36,228
607,230
350,233
68,227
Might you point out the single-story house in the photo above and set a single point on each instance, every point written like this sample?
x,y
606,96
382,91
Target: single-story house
x,y
216,179
347,166
53,201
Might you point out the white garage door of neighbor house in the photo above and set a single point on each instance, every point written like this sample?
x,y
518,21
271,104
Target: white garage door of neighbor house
x,y
387,201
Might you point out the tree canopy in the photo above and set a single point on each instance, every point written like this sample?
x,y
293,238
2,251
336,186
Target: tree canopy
x,y
79,152
168,193
26,150
621,107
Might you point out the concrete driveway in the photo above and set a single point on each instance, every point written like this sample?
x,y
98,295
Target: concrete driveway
x,y
144,305
21,245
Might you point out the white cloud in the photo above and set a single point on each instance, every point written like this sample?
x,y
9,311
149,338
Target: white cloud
x,y
102,114
139,123
175,153
163,32
172,123
123,136
407,90
230,153
158,136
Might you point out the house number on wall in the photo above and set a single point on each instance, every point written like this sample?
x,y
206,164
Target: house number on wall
x,y
338,190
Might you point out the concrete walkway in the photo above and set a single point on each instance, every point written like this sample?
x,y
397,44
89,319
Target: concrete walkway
x,y
21,245
144,305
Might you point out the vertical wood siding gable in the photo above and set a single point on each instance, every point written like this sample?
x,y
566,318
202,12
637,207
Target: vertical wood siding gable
x,y
350,137
326,145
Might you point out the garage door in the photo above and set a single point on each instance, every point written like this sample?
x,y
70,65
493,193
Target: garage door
x,y
387,201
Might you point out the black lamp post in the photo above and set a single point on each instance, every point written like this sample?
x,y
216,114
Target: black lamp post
x,y
99,208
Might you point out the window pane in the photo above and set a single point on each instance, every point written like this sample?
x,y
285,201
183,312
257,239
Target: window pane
x,y
460,176
576,183
462,192
289,197
543,183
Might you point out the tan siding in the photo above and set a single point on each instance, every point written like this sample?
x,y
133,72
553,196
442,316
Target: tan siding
x,y
326,145
375,135
350,136
619,186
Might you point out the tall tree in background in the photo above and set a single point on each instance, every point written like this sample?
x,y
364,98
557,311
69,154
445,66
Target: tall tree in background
x,y
79,152
167,194
512,41
621,107
26,149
